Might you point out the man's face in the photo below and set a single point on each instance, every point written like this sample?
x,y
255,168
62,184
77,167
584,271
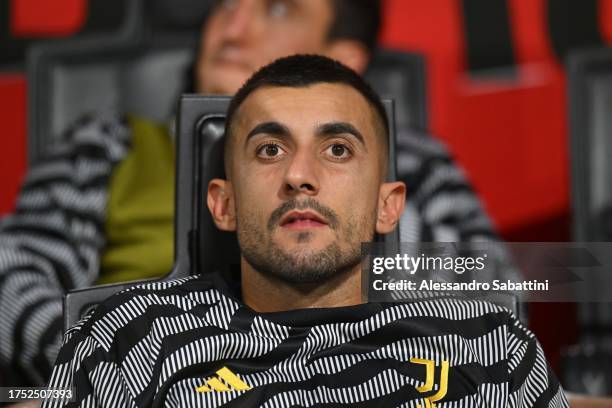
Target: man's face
x,y
306,180
241,36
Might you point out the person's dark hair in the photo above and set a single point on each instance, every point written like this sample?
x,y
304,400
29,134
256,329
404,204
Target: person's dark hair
x,y
300,71
358,20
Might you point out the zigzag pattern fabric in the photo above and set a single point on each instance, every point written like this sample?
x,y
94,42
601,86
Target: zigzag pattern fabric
x,y
52,243
190,342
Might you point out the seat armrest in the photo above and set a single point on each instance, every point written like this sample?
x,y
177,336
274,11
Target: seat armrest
x,y
77,303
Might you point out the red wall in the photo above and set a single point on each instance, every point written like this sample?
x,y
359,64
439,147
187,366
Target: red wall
x,y
29,19
51,18
12,139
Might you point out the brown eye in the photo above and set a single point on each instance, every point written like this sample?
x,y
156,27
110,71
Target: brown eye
x,y
338,151
269,151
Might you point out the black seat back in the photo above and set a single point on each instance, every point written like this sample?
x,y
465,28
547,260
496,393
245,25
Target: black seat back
x,y
141,69
79,77
590,124
590,104
400,76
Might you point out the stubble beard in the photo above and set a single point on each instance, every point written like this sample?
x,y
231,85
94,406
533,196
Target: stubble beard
x,y
263,254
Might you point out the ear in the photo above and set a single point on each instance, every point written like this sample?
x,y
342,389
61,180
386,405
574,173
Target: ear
x,y
351,53
391,201
220,200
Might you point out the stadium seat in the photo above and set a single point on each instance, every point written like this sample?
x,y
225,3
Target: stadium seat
x,y
590,124
590,102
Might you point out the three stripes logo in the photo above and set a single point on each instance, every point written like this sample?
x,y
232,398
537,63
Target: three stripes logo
x,y
224,381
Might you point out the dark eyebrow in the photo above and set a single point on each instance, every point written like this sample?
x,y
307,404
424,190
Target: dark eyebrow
x,y
337,128
269,128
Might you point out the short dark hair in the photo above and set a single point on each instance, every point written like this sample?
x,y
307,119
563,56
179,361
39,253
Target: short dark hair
x,y
358,20
300,71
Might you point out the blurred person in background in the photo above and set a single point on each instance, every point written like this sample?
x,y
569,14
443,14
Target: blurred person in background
x,y
100,208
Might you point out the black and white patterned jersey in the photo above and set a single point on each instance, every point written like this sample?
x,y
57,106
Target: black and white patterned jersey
x,y
191,342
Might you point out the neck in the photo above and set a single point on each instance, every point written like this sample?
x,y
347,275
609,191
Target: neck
x,y
264,293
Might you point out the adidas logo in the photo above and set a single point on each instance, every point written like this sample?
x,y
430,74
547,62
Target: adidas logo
x,y
230,382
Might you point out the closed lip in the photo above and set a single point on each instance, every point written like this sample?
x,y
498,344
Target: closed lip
x,y
294,216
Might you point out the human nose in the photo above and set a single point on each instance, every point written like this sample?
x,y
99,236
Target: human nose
x,y
301,176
